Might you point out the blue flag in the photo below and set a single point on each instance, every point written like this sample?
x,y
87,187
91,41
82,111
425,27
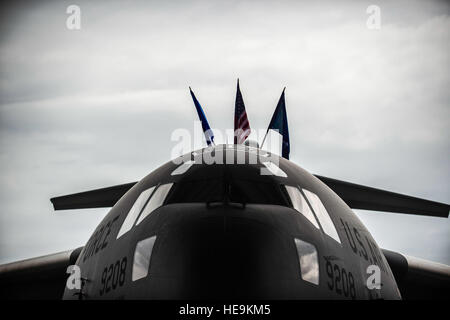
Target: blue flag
x,y
279,122
205,125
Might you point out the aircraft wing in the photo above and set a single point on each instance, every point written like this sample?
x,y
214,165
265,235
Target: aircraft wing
x,y
418,278
37,278
355,195
362,197
98,198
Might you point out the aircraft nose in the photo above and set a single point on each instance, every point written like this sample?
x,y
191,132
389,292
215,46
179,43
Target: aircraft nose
x,y
219,256
233,257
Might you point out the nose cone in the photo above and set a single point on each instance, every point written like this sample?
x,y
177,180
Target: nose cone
x,y
229,257
222,253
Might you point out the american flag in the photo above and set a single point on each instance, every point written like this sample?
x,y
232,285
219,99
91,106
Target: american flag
x,y
241,124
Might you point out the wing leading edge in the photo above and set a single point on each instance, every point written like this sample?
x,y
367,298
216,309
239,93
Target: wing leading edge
x,y
98,198
355,195
362,197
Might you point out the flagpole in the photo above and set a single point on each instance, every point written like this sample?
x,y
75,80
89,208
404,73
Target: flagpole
x,y
262,144
234,131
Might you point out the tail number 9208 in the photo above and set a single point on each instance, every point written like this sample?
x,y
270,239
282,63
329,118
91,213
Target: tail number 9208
x,y
340,280
113,276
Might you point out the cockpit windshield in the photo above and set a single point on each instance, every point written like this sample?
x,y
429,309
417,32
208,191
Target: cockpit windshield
x,y
223,190
229,183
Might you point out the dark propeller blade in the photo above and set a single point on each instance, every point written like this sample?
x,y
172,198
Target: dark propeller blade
x,y
99,198
361,197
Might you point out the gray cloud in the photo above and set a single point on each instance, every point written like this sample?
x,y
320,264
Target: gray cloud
x,y
88,108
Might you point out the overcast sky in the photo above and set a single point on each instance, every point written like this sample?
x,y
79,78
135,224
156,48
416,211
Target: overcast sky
x,y
89,108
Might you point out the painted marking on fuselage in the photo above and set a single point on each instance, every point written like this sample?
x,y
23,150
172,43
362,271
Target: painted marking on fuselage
x,y
99,240
363,246
340,280
113,276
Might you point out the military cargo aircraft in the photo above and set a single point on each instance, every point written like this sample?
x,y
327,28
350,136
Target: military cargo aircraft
x,y
191,230
232,222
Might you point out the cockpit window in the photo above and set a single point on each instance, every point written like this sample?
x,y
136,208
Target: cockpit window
x,y
141,259
234,190
273,169
299,203
322,214
308,259
202,190
134,211
248,191
155,201
183,167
